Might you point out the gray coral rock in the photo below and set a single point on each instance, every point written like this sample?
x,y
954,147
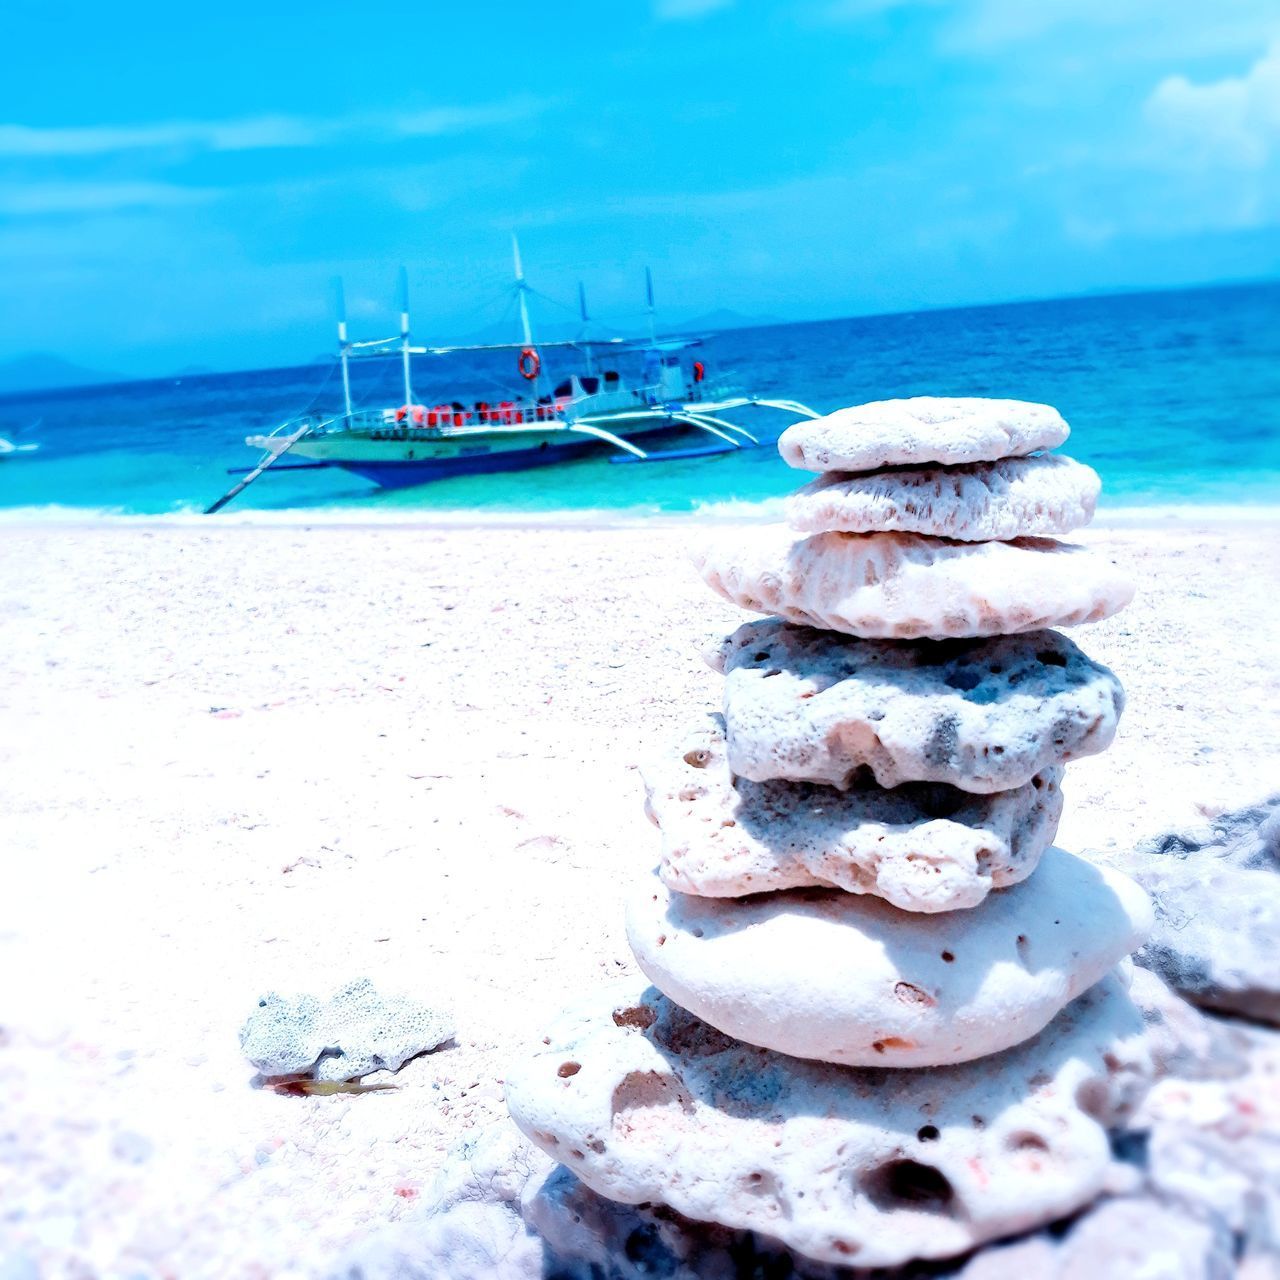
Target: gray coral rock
x,y
923,846
1185,1041
981,715
353,1033
1217,896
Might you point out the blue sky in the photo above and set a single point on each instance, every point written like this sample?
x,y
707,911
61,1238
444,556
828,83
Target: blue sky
x,y
178,184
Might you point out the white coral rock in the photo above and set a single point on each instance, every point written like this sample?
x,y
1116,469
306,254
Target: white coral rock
x,y
941,429
1012,498
850,979
908,586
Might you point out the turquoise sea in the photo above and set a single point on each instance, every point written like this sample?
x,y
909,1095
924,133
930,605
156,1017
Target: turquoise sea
x,y
1174,397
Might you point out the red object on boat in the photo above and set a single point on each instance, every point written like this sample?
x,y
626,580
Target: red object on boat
x,y
530,363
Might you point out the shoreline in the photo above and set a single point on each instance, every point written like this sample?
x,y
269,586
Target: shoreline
x,y
768,510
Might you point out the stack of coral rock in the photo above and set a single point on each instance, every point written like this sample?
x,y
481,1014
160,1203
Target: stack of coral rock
x,y
886,1019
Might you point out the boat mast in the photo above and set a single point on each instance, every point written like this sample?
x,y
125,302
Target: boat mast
x,y
648,292
404,333
521,290
343,355
586,321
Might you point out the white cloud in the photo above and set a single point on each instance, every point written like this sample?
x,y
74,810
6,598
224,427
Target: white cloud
x,y
1128,30
1001,22
683,10
1234,121
1195,158
212,135
254,133
440,121
1092,232
95,197
852,10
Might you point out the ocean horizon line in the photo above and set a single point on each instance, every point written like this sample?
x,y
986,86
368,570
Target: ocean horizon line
x,y
318,362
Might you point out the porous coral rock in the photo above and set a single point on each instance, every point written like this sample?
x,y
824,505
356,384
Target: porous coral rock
x,y
1012,498
1217,898
1185,1042
508,1212
355,1032
984,716
1139,1237
907,586
501,1209
645,1103
847,979
942,429
921,846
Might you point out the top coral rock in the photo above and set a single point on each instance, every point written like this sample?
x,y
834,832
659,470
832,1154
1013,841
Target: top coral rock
x,y
940,429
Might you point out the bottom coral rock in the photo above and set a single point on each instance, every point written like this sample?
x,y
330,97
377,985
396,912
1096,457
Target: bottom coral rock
x,y
854,1166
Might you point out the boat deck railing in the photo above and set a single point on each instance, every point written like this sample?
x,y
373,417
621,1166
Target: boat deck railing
x,y
433,421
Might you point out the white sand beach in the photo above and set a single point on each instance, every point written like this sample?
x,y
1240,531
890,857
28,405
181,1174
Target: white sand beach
x,y
237,758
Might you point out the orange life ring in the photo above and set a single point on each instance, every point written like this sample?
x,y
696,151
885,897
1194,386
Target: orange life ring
x,y
530,364
699,371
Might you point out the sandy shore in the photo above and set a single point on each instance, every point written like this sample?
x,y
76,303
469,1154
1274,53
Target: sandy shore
x,y
235,759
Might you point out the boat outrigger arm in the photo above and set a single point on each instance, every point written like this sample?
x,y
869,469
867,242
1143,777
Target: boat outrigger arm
x,y
702,415
280,446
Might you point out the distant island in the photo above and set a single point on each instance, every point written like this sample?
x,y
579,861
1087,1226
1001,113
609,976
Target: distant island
x,y
41,371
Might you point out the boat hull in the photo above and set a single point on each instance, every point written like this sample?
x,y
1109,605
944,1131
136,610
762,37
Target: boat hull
x,y
400,473
417,458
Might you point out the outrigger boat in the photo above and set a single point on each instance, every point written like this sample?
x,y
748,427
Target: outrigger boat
x,y
588,411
